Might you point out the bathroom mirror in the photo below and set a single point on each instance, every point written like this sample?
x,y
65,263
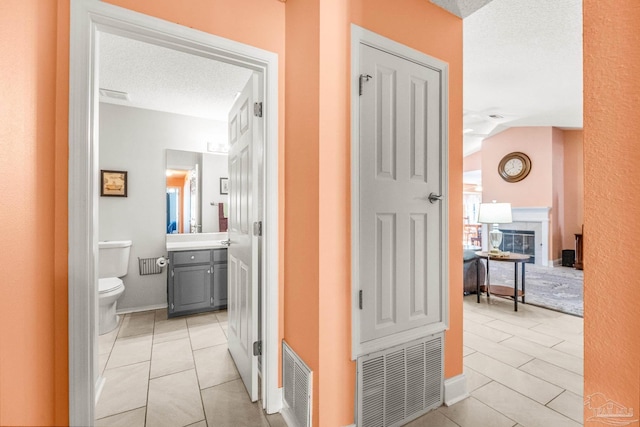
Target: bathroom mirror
x,y
193,200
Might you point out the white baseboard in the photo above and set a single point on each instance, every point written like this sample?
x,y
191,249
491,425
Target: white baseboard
x,y
145,308
455,389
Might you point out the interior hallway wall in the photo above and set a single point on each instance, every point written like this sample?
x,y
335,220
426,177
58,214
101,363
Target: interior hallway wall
x,y
318,180
611,203
33,178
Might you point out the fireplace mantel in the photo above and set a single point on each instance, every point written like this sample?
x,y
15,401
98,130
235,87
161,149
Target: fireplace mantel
x,y
522,219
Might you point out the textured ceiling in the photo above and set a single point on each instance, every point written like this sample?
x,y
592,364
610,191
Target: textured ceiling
x,y
522,61
158,78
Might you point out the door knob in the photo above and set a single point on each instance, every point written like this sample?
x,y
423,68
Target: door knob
x,y
433,197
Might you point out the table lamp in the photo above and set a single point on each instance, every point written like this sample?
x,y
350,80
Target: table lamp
x,y
495,213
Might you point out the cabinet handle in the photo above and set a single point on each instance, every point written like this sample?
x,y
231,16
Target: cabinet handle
x,y
193,257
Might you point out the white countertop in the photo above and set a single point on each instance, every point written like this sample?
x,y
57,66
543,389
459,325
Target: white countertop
x,y
194,245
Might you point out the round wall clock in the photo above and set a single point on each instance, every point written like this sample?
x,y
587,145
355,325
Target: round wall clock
x,y
514,167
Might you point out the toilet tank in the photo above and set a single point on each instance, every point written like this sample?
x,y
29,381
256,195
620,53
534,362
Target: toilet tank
x,y
113,258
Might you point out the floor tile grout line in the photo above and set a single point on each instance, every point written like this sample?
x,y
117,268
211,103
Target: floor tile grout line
x,y
557,410
558,366
222,383
533,400
204,412
482,403
558,385
123,412
524,372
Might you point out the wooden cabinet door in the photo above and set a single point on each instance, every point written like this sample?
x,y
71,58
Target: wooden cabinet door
x,y
220,286
191,288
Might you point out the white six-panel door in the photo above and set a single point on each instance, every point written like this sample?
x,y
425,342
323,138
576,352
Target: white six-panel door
x,y
400,230
242,258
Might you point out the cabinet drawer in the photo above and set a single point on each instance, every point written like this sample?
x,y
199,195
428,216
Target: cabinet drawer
x,y
220,255
191,257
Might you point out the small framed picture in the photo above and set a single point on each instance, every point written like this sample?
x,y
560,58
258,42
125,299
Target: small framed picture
x,y
113,183
224,185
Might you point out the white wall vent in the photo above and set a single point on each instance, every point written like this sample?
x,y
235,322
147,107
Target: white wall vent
x,y
297,384
401,383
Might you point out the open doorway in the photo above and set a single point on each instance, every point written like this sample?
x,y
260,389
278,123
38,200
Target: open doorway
x,y
85,162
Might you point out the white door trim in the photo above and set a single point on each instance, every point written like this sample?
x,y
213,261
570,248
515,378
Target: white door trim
x,y
88,18
359,36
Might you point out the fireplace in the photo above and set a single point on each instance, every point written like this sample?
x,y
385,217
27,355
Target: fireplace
x,y
519,242
531,224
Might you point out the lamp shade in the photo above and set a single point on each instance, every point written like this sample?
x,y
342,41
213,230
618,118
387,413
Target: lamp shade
x,y
495,213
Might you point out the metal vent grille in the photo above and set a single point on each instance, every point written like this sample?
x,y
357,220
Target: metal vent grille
x,y
401,383
148,266
297,382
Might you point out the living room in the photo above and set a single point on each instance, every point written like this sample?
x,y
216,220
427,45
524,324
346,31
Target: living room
x,y
523,103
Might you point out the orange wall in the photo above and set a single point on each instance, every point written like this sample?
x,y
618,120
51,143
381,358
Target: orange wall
x,y
33,353
301,310
611,203
337,387
318,180
573,187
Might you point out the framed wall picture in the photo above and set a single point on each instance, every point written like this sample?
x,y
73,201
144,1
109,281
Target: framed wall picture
x,y
224,185
113,183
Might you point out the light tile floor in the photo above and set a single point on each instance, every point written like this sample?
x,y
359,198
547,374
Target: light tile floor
x,y
173,372
523,369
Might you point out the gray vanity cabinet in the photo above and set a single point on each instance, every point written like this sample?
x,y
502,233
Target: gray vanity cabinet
x,y
196,281
220,278
220,284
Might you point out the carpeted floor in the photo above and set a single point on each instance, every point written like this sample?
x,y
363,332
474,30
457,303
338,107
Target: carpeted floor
x,y
558,288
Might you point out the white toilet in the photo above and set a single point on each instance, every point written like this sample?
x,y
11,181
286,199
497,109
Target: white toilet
x,y
113,263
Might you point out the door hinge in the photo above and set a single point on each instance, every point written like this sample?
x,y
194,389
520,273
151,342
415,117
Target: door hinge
x,y
172,273
257,228
172,306
257,109
211,300
257,348
363,78
360,299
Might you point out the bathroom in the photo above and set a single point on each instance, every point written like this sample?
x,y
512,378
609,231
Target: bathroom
x,y
138,138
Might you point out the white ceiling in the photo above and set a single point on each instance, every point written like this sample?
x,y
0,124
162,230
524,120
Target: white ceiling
x,y
163,79
523,61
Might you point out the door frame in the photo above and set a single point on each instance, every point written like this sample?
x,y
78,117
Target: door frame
x,y
359,36
88,19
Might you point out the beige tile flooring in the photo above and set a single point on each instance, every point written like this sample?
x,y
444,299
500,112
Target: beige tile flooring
x,y
173,372
523,369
